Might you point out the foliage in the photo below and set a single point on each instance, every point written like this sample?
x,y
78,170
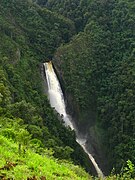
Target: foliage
x,y
98,71
29,35
103,58
31,164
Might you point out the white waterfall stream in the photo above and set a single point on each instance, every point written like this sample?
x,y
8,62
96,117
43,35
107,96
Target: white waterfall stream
x,y
57,101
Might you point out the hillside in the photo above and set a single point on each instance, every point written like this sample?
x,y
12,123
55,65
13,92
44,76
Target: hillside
x,y
23,158
29,35
30,161
91,44
98,71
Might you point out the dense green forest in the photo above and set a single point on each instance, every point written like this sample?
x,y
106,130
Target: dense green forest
x,y
92,45
29,35
98,69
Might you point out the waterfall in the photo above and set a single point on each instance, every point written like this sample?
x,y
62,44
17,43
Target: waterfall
x,y
55,94
57,101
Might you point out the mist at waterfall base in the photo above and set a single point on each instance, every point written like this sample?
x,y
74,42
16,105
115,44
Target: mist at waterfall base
x,y
56,99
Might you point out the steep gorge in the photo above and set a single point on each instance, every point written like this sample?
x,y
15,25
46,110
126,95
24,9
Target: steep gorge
x,y
28,35
96,68
85,122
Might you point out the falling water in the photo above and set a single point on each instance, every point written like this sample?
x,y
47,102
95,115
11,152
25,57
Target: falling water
x,y
57,101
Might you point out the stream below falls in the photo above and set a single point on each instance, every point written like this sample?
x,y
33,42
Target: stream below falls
x,y
56,99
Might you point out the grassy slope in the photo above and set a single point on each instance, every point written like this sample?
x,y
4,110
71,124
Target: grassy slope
x,y
32,164
18,36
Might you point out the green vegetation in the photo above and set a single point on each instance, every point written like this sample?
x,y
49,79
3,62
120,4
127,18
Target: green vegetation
x,y
32,161
27,163
97,67
28,36
103,58
70,9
